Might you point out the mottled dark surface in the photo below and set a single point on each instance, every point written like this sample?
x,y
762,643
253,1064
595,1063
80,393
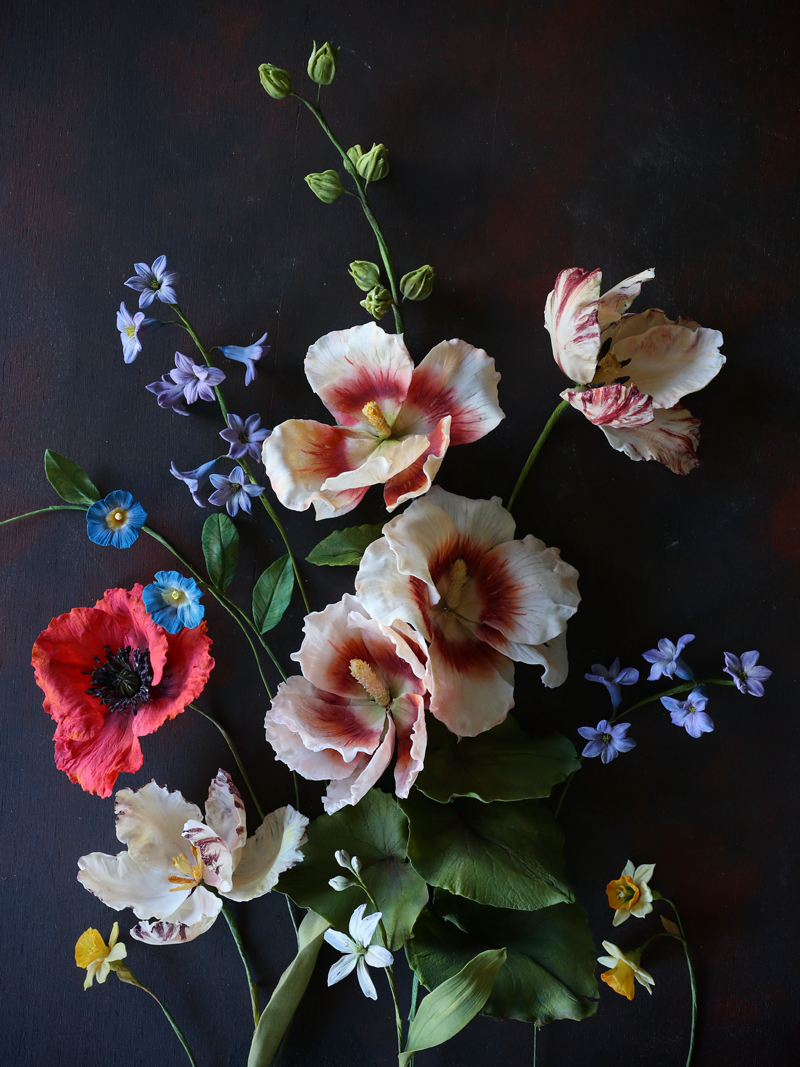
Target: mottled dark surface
x,y
524,138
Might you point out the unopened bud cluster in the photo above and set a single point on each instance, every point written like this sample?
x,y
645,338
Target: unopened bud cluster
x,y
378,301
372,165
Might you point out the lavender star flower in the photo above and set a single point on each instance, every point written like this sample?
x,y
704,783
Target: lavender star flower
x,y
613,678
168,394
233,492
152,282
195,479
244,436
667,659
607,741
745,672
690,713
197,379
130,328
249,356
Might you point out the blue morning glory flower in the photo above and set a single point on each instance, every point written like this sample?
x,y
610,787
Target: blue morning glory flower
x,y
607,740
690,713
195,479
613,678
152,282
749,677
173,601
244,436
667,659
233,492
115,520
249,356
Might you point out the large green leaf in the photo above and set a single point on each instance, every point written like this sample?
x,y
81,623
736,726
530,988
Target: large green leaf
x,y
70,481
272,594
277,1015
220,548
376,831
502,764
344,548
454,1003
549,973
506,855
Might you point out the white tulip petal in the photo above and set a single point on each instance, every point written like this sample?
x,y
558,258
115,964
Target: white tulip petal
x,y
273,849
671,438
570,317
668,362
120,882
214,853
225,812
616,301
192,919
150,822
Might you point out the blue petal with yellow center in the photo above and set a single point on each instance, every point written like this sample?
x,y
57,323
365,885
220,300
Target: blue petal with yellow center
x,y
173,601
115,520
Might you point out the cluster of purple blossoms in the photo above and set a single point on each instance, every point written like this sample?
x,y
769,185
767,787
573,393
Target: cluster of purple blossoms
x,y
189,381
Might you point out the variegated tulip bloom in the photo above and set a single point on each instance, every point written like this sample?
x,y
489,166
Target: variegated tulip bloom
x,y
631,371
449,568
394,421
173,855
359,701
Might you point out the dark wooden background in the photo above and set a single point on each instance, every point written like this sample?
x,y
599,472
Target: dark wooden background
x,y
524,138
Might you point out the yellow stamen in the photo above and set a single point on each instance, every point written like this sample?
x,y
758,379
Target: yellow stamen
x,y
374,416
130,330
368,679
175,594
191,873
455,584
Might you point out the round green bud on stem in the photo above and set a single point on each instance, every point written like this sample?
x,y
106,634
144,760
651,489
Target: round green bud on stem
x,y
355,153
366,275
326,185
378,301
277,82
322,64
373,165
417,284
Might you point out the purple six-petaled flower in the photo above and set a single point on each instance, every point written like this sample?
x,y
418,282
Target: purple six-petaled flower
x,y
607,741
690,713
195,479
244,436
249,356
233,492
131,327
152,282
667,659
749,677
613,678
189,381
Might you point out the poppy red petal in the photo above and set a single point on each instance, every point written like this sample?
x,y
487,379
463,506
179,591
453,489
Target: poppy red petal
x,y
95,760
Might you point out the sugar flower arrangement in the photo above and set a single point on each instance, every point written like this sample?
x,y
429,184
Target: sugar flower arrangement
x,y
437,805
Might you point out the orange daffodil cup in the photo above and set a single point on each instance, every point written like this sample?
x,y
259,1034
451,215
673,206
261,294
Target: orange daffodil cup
x,y
394,421
631,371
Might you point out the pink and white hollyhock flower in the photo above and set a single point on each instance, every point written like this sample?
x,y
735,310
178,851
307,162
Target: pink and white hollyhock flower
x,y
448,567
360,699
173,855
394,420
631,370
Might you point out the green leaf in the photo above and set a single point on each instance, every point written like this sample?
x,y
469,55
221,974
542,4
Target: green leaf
x,y
502,764
220,548
376,831
70,481
454,1003
272,594
549,973
507,855
289,991
344,548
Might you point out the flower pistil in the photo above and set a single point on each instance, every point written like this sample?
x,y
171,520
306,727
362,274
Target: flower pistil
x,y
374,416
122,684
369,681
191,874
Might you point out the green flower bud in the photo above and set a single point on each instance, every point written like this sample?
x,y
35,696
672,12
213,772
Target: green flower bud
x,y
322,64
355,153
366,275
378,301
417,284
327,185
277,82
373,165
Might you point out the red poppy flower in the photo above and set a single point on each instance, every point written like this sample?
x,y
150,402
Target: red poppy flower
x,y
110,675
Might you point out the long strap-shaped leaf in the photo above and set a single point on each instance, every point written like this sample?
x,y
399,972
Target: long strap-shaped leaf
x,y
451,1005
277,1015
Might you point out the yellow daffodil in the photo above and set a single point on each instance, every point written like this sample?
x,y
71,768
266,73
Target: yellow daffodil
x,y
96,957
630,894
624,968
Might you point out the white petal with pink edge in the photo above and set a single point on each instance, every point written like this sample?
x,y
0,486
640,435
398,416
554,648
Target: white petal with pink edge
x,y
408,715
416,538
612,405
570,317
289,749
454,379
616,301
348,369
215,854
366,773
671,438
387,594
273,849
150,821
193,918
417,478
120,882
668,362
485,523
324,720
225,812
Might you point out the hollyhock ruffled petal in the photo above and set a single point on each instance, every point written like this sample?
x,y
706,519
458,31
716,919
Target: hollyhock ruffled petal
x,y
408,714
671,438
417,478
225,812
454,379
196,915
273,849
614,303
612,405
670,361
324,765
386,460
570,317
552,655
326,721
389,595
367,772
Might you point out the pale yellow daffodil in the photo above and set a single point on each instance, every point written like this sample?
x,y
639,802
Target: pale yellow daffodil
x,y
96,957
624,968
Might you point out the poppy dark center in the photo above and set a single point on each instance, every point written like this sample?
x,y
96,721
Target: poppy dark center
x,y
123,681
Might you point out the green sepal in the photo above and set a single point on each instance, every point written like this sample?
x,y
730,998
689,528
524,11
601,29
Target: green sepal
x,y
70,481
344,548
220,541
272,594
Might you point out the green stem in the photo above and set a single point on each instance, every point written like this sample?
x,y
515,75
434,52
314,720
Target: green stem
x,y
685,687
130,980
232,747
389,969
39,511
548,426
243,462
237,937
692,981
361,190
567,784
